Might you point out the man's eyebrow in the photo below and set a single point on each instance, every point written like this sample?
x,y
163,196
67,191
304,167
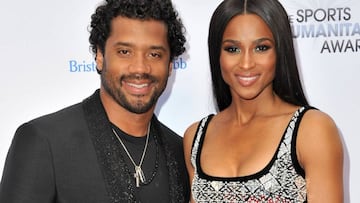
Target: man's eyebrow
x,y
154,47
162,48
122,44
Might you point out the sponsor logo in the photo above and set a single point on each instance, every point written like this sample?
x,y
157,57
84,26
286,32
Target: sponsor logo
x,y
332,26
76,66
179,63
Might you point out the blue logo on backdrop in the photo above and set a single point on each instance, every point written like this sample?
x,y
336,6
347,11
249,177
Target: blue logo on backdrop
x,y
332,24
179,63
76,66
81,66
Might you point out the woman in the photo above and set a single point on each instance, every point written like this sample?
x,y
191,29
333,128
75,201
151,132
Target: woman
x,y
266,144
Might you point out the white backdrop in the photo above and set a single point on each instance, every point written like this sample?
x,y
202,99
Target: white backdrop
x,y
46,65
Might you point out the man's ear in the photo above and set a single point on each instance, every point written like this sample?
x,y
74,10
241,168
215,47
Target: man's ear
x,y
170,68
99,59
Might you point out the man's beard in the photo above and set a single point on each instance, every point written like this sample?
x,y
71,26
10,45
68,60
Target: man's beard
x,y
113,87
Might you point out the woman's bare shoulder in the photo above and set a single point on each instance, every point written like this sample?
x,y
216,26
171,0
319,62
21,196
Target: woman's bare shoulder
x,y
318,136
192,129
319,121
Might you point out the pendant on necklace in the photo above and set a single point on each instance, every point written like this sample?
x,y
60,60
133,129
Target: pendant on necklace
x,y
139,176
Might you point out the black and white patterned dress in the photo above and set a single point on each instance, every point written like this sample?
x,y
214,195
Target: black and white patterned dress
x,y
281,181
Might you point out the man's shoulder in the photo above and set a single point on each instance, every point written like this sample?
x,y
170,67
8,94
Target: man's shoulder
x,y
169,136
66,114
61,122
167,130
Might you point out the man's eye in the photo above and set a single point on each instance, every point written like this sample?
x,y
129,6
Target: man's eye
x,y
155,55
123,52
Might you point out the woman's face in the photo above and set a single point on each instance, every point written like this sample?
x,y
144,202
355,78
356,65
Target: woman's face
x,y
248,57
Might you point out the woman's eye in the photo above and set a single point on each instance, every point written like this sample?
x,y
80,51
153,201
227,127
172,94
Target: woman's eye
x,y
232,49
262,48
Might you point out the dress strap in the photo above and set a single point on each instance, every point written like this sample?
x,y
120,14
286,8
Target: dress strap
x,y
292,132
198,138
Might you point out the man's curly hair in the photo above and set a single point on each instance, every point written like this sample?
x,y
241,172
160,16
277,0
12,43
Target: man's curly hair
x,y
162,10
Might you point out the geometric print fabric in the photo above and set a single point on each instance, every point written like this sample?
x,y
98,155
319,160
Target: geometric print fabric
x,y
279,182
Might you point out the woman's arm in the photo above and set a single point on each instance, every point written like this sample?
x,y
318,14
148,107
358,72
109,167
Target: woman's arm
x,y
320,153
188,140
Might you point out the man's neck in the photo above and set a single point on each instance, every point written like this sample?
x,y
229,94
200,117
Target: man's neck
x,y
129,122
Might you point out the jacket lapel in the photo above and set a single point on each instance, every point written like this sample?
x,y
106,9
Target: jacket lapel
x,y
115,172
176,187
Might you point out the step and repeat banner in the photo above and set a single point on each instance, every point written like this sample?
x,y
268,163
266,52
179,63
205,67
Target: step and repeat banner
x,y
46,65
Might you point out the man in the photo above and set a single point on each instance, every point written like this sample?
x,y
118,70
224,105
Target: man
x,y
110,147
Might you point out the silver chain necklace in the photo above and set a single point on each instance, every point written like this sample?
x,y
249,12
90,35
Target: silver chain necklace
x,y
139,174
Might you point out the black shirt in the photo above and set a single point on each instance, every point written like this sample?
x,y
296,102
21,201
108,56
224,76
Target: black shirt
x,y
156,185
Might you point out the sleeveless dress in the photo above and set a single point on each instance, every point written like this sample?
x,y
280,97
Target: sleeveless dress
x,y
281,181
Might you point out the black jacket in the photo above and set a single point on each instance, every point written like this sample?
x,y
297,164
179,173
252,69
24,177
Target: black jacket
x,y
68,157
